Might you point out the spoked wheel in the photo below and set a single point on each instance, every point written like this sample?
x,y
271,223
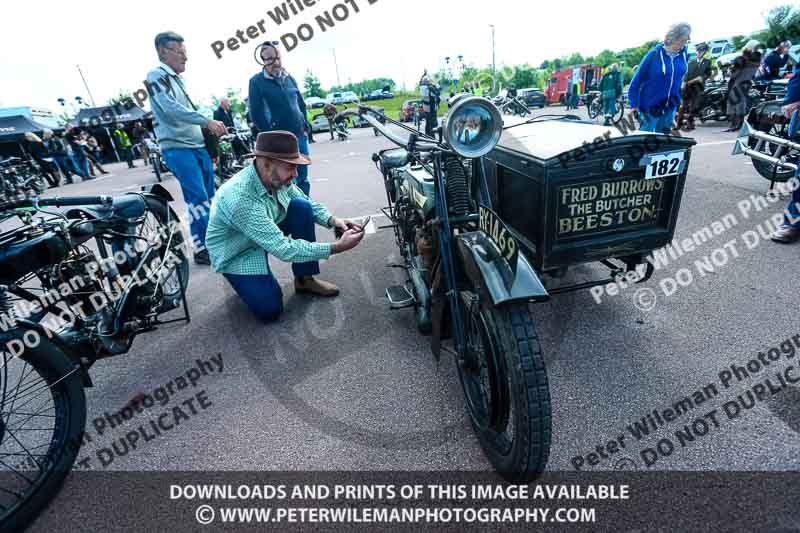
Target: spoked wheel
x,y
620,112
768,170
161,227
42,419
505,387
594,108
155,163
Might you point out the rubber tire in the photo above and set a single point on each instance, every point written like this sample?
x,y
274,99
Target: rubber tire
x,y
530,395
56,364
764,168
156,164
159,208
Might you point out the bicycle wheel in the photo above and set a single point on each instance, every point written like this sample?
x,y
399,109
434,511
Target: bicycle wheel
x,y
620,111
594,107
43,410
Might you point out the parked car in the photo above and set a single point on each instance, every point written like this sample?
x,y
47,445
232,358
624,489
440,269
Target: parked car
x,y
719,47
314,102
407,111
532,97
379,95
349,97
335,98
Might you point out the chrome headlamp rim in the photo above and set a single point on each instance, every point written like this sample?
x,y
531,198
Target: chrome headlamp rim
x,y
495,125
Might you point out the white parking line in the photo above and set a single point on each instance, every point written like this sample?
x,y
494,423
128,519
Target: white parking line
x,y
716,143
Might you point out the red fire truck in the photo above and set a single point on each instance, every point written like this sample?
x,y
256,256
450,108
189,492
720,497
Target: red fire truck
x,y
586,75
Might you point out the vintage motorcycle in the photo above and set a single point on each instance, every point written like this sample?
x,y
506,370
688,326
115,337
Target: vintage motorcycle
x,y
485,213
20,178
467,280
63,306
231,158
155,158
764,138
511,106
713,103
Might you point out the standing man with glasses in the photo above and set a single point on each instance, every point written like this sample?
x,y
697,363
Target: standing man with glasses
x,y
178,126
276,103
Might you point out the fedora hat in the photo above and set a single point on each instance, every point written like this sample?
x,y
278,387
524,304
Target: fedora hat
x,y
280,145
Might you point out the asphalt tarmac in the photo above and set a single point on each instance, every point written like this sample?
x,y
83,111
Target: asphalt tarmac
x,y
348,384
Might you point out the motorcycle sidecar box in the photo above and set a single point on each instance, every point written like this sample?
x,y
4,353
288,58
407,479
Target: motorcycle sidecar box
x,y
576,192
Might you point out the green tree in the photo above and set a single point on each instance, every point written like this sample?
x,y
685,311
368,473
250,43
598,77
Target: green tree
x,y
123,98
605,58
783,22
312,86
574,59
235,101
739,41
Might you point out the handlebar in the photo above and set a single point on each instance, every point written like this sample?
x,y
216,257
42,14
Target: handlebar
x,y
58,201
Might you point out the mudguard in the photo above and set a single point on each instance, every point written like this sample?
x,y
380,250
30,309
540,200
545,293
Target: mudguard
x,y
492,274
156,189
49,337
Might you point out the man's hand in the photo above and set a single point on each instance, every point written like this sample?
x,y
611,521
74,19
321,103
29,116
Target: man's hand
x,y
349,240
217,128
343,224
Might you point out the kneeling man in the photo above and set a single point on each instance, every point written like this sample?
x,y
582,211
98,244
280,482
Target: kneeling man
x,y
261,212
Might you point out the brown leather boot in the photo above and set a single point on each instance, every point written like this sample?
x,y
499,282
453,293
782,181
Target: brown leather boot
x,y
315,286
786,234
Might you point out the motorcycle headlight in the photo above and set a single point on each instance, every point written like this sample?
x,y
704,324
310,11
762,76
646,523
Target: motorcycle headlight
x,y
473,126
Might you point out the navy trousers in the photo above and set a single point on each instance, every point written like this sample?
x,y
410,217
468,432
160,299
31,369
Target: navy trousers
x,y
261,293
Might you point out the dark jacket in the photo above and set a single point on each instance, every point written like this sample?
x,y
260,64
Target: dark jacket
x,y
656,86
611,84
700,69
38,150
277,104
773,63
743,70
224,116
55,146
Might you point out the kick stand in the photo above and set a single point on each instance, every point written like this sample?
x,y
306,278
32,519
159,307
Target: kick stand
x,y
185,318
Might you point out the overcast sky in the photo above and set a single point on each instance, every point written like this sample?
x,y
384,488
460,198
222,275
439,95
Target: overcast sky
x,y
42,42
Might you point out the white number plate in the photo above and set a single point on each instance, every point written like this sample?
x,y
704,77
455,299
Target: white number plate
x,y
666,164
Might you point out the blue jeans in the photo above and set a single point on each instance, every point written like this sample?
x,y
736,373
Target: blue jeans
x,y
80,165
302,170
662,124
261,293
195,173
609,107
64,164
794,124
791,217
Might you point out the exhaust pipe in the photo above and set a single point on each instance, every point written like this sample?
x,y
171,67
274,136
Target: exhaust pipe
x,y
748,131
741,148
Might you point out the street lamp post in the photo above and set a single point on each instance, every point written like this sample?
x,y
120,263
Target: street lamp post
x,y
494,70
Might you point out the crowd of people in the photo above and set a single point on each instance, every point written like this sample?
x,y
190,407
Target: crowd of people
x,y
76,151
667,83
266,209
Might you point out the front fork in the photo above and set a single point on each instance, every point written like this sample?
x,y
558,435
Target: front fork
x,y
446,254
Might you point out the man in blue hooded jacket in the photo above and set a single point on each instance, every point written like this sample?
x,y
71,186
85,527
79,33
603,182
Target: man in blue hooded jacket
x,y
655,91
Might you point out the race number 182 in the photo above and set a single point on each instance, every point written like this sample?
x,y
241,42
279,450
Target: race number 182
x,y
662,165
